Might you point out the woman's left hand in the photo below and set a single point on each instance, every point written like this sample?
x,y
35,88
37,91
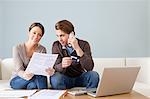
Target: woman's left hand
x,y
50,71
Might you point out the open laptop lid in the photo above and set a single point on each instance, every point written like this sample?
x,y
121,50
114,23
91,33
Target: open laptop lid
x,y
117,80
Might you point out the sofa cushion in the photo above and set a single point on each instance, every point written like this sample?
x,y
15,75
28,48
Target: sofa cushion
x,y
4,84
142,88
100,63
7,66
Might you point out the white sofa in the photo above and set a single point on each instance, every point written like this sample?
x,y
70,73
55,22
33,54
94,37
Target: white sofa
x,y
142,84
6,67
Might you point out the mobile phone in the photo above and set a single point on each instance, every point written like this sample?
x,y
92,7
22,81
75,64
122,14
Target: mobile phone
x,y
71,35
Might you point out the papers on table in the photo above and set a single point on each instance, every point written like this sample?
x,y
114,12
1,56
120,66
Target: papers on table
x,y
48,94
40,62
32,94
16,93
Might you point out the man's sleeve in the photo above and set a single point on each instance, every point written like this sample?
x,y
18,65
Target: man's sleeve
x,y
58,63
86,60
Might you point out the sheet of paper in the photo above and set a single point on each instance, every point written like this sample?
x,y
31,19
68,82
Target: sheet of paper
x,y
48,94
16,93
40,62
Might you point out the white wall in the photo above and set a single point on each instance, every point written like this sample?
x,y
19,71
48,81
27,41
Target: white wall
x,y
114,28
148,36
0,36
1,30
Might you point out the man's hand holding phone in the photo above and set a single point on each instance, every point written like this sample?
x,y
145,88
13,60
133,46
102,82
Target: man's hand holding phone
x,y
72,41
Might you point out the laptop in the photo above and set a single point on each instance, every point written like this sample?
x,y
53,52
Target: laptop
x,y
116,80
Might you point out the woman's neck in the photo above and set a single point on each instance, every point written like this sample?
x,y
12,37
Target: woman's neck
x,y
30,48
31,45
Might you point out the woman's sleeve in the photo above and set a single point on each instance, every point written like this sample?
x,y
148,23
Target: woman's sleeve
x,y
19,68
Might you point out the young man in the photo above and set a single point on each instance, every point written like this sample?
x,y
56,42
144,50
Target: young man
x,y
73,67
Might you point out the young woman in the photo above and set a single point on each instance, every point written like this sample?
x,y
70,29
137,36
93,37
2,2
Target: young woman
x,y
22,54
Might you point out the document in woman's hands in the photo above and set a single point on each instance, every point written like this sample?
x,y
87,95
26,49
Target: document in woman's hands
x,y
40,62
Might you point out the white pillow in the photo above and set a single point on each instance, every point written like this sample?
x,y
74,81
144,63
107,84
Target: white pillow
x,y
7,66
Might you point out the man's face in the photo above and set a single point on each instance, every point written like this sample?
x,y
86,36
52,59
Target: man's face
x,y
62,37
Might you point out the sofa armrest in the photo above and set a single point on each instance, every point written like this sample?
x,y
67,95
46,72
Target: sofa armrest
x,y
144,62
142,88
7,66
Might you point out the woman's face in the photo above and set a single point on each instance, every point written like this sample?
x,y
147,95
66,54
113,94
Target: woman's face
x,y
62,37
35,34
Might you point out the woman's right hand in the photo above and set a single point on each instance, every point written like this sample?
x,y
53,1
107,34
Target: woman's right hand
x,y
27,75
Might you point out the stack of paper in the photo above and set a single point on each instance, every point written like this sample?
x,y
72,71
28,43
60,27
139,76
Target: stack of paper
x,y
16,93
48,94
